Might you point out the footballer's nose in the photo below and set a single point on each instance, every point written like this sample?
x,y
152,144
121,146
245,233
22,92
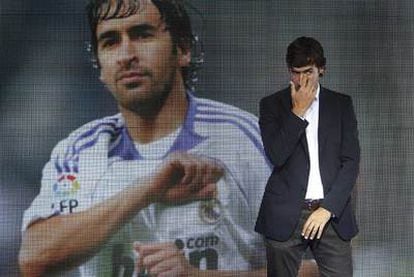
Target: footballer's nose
x,y
295,78
127,52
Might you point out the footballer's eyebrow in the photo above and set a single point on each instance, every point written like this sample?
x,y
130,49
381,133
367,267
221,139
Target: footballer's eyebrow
x,y
303,71
137,30
107,34
142,29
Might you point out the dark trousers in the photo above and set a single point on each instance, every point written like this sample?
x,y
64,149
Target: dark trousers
x,y
332,254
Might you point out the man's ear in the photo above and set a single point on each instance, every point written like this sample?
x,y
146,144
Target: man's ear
x,y
100,77
321,71
184,55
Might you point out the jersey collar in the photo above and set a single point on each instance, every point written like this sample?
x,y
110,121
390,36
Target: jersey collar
x,y
123,146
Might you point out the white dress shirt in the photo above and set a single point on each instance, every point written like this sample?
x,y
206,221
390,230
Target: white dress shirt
x,y
315,187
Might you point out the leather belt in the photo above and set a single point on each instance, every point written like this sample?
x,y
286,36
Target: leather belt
x,y
311,204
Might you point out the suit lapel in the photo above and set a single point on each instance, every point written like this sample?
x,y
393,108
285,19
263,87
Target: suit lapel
x,y
287,99
325,107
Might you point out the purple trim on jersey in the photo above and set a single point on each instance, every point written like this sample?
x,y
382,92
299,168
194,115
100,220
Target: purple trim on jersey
x,y
93,142
71,150
125,148
72,153
76,151
248,121
243,118
57,166
252,138
88,134
187,139
75,164
66,166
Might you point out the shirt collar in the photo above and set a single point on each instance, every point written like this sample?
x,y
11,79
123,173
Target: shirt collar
x,y
186,139
318,90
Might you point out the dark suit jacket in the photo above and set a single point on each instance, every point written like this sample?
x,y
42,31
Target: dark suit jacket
x,y
284,140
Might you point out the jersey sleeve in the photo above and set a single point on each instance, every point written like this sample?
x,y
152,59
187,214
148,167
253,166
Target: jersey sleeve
x,y
62,191
256,175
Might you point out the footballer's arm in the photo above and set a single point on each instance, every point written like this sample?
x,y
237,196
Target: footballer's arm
x,y
62,242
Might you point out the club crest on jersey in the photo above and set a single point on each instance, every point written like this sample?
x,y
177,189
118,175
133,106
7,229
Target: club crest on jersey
x,y
210,211
67,185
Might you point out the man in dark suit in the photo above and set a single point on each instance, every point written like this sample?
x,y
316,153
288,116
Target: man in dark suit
x,y
310,136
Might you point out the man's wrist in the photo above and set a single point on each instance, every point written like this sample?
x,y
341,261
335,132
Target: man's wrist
x,y
299,112
326,211
145,192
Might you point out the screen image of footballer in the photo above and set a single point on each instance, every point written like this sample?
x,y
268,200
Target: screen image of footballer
x,y
169,186
89,199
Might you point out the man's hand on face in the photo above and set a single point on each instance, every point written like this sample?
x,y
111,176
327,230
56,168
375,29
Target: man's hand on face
x,y
303,95
185,177
162,259
315,223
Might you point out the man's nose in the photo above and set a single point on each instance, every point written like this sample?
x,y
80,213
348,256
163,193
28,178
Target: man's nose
x,y
296,77
127,52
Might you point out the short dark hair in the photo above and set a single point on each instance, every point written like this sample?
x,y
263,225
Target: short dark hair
x,y
305,51
172,12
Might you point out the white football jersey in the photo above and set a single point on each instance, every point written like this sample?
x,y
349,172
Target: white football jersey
x,y
99,160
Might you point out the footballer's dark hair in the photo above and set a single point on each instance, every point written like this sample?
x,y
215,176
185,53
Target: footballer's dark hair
x,y
173,14
305,51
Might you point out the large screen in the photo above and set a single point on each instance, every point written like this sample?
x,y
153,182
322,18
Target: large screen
x,y
49,88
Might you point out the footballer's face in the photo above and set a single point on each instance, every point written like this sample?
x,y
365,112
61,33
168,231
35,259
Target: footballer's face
x,y
139,62
311,72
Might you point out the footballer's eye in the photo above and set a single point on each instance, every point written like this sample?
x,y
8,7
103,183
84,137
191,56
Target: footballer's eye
x,y
108,39
108,42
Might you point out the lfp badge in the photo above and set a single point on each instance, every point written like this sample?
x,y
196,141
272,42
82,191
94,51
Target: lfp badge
x,y
67,185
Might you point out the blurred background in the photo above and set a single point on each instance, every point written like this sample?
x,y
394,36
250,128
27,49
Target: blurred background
x,y
48,88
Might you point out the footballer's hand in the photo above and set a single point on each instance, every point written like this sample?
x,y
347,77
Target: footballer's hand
x,y
315,223
185,177
303,95
162,260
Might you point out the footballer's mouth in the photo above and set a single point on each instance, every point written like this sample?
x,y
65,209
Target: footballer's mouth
x,y
132,78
